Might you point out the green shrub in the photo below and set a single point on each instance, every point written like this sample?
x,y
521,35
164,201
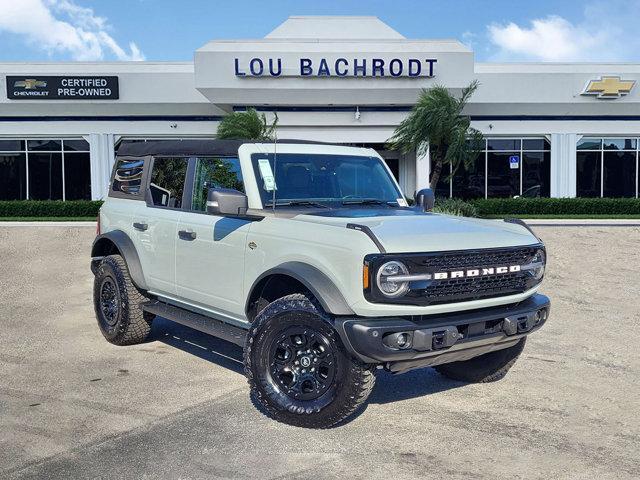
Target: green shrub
x,y
557,206
49,208
455,206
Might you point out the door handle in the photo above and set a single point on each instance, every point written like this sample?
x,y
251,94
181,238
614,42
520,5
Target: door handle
x,y
187,234
140,226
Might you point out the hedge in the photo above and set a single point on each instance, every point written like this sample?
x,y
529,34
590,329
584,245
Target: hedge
x,y
557,206
483,207
49,208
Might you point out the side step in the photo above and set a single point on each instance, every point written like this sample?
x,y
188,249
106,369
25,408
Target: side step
x,y
203,323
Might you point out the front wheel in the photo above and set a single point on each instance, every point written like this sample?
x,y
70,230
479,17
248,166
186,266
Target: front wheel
x,y
298,370
485,368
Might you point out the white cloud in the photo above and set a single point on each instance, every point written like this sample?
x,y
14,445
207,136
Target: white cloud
x,y
62,26
604,33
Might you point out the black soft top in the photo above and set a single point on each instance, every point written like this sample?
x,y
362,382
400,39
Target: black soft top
x,y
224,148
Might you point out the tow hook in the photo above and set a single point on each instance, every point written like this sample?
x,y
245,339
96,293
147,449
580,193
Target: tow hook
x,y
523,323
424,339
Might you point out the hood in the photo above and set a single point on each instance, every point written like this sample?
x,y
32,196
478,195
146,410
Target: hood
x,y
406,230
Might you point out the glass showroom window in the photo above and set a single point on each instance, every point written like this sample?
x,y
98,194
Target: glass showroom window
x,y
607,167
507,167
45,169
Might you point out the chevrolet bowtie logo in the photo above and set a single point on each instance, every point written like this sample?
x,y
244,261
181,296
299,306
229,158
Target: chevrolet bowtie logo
x,y
30,83
609,87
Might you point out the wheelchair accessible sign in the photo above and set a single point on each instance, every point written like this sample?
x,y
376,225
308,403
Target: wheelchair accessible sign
x,y
514,162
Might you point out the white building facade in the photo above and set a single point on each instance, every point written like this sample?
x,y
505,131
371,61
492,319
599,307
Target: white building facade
x,y
558,130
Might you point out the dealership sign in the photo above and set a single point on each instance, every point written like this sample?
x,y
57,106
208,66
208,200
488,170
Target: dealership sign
x,y
336,67
62,88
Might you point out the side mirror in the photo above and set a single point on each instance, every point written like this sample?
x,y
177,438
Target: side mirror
x,y
425,199
226,201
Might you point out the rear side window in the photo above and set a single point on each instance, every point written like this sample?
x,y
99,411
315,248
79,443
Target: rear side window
x,y
127,178
167,181
214,172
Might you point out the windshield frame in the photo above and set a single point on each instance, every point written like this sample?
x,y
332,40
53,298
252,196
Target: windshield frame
x,y
327,202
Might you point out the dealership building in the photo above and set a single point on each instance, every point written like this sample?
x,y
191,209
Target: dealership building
x,y
551,129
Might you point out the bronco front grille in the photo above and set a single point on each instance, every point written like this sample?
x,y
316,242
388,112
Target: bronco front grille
x,y
451,290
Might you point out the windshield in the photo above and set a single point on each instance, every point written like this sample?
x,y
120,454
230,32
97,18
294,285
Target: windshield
x,y
324,180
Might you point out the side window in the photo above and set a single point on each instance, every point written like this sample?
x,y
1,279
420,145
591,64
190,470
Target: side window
x,y
212,172
167,181
128,176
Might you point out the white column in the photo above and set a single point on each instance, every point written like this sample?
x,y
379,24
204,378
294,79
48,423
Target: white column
x,y
102,146
563,164
423,170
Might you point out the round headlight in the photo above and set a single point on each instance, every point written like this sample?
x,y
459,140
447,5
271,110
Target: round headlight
x,y
538,263
388,287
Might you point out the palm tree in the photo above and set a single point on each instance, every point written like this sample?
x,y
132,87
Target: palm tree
x,y
436,123
249,125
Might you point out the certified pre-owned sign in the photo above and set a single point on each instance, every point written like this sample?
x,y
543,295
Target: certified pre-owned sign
x,y
31,87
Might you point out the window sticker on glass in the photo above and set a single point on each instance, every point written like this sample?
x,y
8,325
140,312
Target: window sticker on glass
x,y
402,202
267,174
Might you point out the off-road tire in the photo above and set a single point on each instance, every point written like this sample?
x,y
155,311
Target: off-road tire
x,y
129,324
352,380
486,368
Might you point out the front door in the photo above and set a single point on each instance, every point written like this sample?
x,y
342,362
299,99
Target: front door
x,y
210,249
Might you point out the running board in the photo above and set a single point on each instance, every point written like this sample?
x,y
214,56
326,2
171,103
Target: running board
x,y
203,323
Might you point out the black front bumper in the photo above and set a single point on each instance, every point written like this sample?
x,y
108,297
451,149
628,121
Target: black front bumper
x,y
404,343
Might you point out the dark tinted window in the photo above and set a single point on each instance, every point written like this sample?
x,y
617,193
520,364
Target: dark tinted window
x,y
619,143
535,144
76,146
536,174
588,174
128,176
77,176
468,182
214,173
13,176
44,145
619,172
503,144
167,181
502,180
590,144
11,145
45,176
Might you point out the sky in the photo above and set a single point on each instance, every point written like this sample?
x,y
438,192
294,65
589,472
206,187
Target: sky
x,y
171,30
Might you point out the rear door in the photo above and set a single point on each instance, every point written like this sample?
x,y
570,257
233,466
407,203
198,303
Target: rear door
x,y
210,250
155,222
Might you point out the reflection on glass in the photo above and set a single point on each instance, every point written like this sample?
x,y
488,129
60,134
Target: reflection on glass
x,y
590,144
536,174
77,176
619,144
45,176
468,182
13,176
619,172
588,174
214,173
502,180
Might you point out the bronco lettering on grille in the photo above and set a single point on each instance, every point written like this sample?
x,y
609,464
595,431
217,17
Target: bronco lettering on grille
x,y
476,272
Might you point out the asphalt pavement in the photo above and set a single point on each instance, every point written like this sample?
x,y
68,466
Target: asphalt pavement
x,y
74,406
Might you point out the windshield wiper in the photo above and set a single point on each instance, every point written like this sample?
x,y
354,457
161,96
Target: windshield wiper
x,y
366,201
297,203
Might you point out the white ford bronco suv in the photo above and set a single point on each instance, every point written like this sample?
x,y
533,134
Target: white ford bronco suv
x,y
309,257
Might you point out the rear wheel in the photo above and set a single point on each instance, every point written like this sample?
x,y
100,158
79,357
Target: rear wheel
x,y
298,370
485,368
118,304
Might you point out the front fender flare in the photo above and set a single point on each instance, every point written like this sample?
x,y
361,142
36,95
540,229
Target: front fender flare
x,y
128,251
319,284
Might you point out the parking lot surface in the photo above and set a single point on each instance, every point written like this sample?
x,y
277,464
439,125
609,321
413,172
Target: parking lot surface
x,y
74,406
